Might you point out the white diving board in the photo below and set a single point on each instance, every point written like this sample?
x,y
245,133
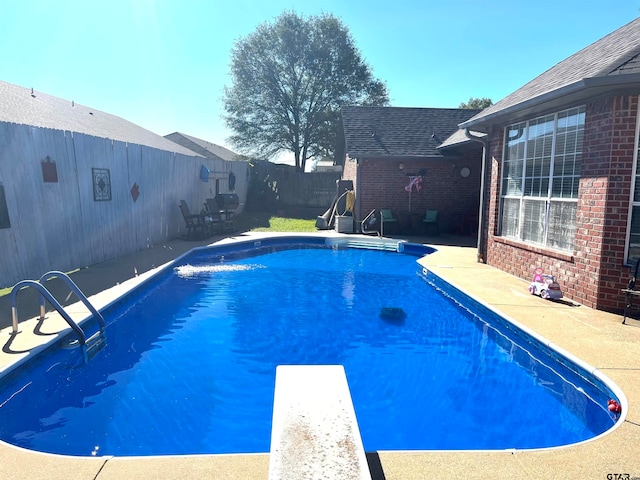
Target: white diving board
x,y
314,432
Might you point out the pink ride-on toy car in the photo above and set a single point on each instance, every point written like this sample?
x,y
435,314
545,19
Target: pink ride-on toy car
x,y
544,286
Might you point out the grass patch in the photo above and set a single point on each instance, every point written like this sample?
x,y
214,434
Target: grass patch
x,y
265,222
280,224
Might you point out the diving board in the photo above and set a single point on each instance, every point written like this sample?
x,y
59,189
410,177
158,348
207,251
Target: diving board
x,y
314,432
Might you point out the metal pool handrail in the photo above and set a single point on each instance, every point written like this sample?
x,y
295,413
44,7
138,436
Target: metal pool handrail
x,y
56,274
44,293
91,345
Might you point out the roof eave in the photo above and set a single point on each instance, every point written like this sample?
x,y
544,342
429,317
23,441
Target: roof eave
x,y
558,99
367,156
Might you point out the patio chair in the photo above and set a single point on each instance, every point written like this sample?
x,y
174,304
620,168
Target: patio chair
x,y
222,221
430,221
197,224
386,217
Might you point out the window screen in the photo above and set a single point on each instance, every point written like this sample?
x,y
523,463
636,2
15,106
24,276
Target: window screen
x,y
540,179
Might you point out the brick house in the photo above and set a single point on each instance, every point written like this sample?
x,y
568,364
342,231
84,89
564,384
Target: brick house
x,y
384,149
562,186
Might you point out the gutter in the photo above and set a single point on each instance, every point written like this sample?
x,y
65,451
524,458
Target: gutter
x,y
575,92
485,147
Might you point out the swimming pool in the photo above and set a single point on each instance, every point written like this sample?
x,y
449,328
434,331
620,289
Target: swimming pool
x,y
191,357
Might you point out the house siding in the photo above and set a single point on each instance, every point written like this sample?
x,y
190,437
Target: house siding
x,y
594,273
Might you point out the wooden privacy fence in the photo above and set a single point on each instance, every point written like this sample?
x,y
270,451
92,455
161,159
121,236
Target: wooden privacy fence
x,y
281,187
74,200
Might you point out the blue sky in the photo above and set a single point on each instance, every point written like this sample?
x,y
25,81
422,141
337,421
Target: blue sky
x,y
163,64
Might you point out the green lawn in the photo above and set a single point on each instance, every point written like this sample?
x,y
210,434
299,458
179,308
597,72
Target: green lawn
x,y
280,224
265,222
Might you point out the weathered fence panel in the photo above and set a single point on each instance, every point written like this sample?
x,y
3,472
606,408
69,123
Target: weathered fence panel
x,y
276,187
75,220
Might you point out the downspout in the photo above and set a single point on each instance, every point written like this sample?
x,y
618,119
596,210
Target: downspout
x,y
485,146
357,214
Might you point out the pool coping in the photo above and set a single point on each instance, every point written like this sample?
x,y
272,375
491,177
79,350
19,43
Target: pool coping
x,y
594,337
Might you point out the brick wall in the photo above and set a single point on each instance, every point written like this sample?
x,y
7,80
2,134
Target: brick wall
x,y
381,184
349,171
616,152
492,199
594,272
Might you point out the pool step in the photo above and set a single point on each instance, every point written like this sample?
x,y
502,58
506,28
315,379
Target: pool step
x,y
368,243
314,432
388,246
94,344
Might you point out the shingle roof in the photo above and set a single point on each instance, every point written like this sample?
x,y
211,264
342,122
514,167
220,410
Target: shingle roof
x,y
608,60
399,131
24,106
458,138
202,147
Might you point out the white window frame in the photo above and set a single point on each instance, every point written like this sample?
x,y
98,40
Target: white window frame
x,y
632,202
549,199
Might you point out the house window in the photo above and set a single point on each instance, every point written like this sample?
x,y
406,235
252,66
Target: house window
x,y
634,235
633,245
540,179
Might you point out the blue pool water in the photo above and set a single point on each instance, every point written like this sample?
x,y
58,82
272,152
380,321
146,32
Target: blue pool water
x,y
190,363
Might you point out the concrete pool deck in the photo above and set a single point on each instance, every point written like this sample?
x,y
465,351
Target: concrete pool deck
x,y
598,338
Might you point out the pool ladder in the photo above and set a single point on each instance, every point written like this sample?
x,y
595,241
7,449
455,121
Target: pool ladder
x,y
369,220
90,345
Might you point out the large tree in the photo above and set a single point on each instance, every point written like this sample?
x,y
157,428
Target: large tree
x,y
474,103
290,78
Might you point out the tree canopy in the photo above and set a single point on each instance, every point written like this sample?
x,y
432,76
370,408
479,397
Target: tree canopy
x,y
290,78
474,103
